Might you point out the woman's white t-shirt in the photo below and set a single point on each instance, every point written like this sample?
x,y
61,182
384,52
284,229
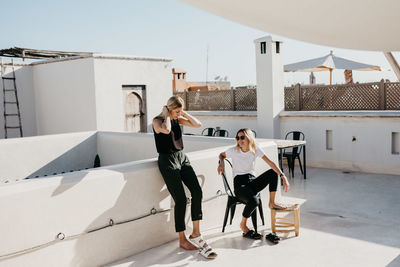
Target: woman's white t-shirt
x,y
243,162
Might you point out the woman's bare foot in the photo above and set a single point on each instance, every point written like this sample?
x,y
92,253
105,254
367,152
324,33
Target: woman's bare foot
x,y
185,244
244,228
276,206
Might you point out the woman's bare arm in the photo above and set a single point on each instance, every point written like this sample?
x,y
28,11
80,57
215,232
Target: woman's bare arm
x,y
188,120
285,182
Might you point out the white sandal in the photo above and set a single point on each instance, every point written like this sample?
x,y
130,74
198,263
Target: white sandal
x,y
206,251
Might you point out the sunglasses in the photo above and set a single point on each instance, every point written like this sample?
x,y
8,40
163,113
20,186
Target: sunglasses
x,y
242,137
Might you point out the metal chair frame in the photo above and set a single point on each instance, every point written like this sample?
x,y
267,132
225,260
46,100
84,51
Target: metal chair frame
x,y
233,201
210,131
221,133
295,151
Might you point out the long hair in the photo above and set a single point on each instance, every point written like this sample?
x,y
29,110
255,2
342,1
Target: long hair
x,y
175,102
250,135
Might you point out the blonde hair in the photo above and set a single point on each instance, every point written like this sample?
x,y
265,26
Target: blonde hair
x,y
250,135
175,102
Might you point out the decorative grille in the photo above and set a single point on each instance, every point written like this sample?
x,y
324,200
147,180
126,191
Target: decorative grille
x,y
359,96
392,96
245,99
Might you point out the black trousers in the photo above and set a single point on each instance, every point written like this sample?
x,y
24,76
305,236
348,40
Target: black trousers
x,y
247,187
175,168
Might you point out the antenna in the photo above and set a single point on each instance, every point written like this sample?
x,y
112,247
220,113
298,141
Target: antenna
x,y
207,66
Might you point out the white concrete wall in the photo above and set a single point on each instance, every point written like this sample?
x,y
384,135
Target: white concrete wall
x,y
65,96
228,120
120,147
76,203
85,93
21,158
370,152
48,155
26,98
111,73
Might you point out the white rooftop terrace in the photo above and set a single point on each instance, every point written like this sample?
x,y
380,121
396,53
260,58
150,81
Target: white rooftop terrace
x,y
347,219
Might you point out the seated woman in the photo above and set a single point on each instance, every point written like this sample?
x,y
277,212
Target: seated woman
x,y
246,185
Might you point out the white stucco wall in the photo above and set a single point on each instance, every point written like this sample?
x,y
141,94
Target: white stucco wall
x,y
111,72
370,152
85,93
26,98
65,96
121,147
21,158
76,203
228,120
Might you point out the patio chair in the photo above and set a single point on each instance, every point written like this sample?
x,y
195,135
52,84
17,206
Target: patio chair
x,y
255,134
208,132
292,154
233,201
221,133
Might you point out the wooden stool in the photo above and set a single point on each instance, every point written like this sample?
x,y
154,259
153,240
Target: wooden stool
x,y
282,222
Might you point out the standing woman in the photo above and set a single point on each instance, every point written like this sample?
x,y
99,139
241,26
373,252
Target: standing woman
x,y
246,185
175,168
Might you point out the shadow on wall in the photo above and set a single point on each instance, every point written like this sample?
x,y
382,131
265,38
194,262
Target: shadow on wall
x,y
82,156
129,236
136,198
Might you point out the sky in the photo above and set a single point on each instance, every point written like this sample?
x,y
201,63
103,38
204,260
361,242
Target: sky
x,y
166,29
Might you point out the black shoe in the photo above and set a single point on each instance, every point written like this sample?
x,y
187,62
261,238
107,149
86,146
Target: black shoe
x,y
272,238
252,235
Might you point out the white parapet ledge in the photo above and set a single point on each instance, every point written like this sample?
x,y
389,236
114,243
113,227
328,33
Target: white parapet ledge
x,y
357,113
100,56
229,113
129,57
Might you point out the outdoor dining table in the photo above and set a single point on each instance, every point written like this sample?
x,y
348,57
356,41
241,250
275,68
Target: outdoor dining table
x,y
282,144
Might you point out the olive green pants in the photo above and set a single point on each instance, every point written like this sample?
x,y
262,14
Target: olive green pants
x,y
175,169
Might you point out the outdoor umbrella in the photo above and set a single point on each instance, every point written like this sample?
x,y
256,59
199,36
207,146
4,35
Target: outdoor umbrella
x,y
328,62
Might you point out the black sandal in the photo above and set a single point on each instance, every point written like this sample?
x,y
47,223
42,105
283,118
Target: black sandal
x,y
272,238
252,235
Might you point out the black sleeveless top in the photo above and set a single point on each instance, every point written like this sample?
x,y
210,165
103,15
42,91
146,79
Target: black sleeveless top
x,y
169,143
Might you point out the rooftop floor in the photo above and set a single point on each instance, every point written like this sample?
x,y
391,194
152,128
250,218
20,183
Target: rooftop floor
x,y
347,219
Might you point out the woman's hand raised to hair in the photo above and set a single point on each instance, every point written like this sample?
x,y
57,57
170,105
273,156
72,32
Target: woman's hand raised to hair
x,y
165,112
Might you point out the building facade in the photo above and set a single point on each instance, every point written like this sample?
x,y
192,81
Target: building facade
x,y
94,92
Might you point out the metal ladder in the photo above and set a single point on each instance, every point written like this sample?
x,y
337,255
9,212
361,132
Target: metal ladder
x,y
8,102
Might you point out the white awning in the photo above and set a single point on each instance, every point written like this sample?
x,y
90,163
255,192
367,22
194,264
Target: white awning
x,y
353,24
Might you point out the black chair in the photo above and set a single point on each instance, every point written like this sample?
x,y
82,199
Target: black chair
x,y
255,134
221,133
292,153
208,132
233,200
